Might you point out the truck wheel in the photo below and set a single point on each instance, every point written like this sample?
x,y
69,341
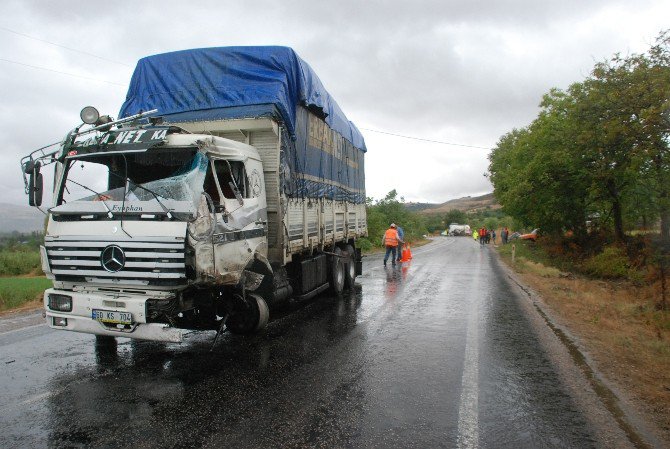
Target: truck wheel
x,y
350,268
248,316
336,272
105,341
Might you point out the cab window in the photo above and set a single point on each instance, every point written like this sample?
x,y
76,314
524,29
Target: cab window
x,y
230,176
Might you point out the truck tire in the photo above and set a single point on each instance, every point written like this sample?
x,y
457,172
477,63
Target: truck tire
x,y
350,268
105,341
336,271
249,316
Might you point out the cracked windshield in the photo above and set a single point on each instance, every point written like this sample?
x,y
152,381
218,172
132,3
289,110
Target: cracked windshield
x,y
166,174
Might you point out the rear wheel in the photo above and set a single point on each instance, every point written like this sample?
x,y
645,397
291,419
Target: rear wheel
x,y
350,267
248,316
336,271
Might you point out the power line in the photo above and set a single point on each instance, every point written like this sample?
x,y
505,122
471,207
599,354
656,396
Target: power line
x,y
62,73
64,47
426,140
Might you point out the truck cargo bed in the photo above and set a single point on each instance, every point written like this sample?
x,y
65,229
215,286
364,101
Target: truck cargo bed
x,y
295,224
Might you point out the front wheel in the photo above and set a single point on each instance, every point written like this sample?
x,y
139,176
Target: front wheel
x,y
336,271
350,268
249,316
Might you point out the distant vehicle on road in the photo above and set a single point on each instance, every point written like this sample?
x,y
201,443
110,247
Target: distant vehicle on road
x,y
532,235
458,229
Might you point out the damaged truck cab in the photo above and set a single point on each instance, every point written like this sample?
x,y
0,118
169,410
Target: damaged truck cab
x,y
209,216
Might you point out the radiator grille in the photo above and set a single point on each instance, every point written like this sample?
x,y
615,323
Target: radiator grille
x,y
143,260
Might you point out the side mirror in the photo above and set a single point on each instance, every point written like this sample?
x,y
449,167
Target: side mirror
x,y
36,187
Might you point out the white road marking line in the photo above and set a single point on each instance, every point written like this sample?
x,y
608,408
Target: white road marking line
x,y
35,398
468,411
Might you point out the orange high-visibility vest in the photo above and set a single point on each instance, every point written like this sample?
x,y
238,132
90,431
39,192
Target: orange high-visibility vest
x,y
391,237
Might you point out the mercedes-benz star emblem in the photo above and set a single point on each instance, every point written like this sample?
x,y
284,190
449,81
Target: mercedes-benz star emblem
x,y
112,258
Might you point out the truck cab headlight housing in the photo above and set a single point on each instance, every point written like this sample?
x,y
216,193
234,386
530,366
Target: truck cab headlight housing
x,y
59,321
60,303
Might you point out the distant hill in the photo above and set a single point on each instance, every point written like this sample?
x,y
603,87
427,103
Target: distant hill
x,y
418,207
465,204
20,218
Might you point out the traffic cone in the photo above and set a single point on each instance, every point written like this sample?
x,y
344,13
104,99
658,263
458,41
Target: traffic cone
x,y
406,253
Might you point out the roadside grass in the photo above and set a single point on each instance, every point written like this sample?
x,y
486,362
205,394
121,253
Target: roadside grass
x,y
616,320
17,291
530,256
539,269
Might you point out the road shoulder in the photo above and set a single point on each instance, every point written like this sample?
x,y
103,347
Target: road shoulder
x,y
20,318
601,399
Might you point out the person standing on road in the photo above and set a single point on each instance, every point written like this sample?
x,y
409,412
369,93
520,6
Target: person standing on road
x,y
401,238
475,235
390,241
503,235
493,236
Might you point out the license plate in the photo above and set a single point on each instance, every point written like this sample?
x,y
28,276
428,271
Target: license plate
x,y
110,316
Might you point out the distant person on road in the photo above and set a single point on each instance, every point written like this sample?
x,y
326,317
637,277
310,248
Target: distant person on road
x,y
482,235
493,236
391,241
503,235
475,235
401,237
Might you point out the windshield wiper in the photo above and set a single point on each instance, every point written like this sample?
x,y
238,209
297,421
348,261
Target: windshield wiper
x,y
165,209
102,199
155,195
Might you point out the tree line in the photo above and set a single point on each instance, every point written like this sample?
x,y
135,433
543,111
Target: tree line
x,y
597,157
390,209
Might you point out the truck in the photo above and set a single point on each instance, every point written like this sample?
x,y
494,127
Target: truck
x,y
231,183
459,229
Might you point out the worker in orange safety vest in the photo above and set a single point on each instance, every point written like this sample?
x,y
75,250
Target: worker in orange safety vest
x,y
390,241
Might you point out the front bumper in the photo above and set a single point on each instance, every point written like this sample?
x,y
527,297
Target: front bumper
x,y
83,304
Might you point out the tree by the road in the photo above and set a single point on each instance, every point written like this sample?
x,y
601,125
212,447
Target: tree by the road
x,y
599,149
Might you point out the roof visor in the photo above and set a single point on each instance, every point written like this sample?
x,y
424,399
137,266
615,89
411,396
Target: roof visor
x,y
128,140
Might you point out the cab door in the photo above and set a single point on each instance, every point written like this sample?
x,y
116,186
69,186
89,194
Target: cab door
x,y
237,191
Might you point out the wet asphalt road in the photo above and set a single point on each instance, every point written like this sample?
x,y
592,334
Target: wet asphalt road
x,y
435,353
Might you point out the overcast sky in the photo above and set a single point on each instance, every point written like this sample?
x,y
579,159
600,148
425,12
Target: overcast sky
x,y
464,72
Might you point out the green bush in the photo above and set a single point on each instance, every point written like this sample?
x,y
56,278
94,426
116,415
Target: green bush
x,y
15,263
612,263
364,244
389,210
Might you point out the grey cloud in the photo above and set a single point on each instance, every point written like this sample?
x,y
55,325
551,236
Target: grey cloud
x,y
442,70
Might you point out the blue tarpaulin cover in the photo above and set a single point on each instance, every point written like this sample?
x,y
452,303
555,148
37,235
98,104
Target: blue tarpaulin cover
x,y
249,82
205,83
